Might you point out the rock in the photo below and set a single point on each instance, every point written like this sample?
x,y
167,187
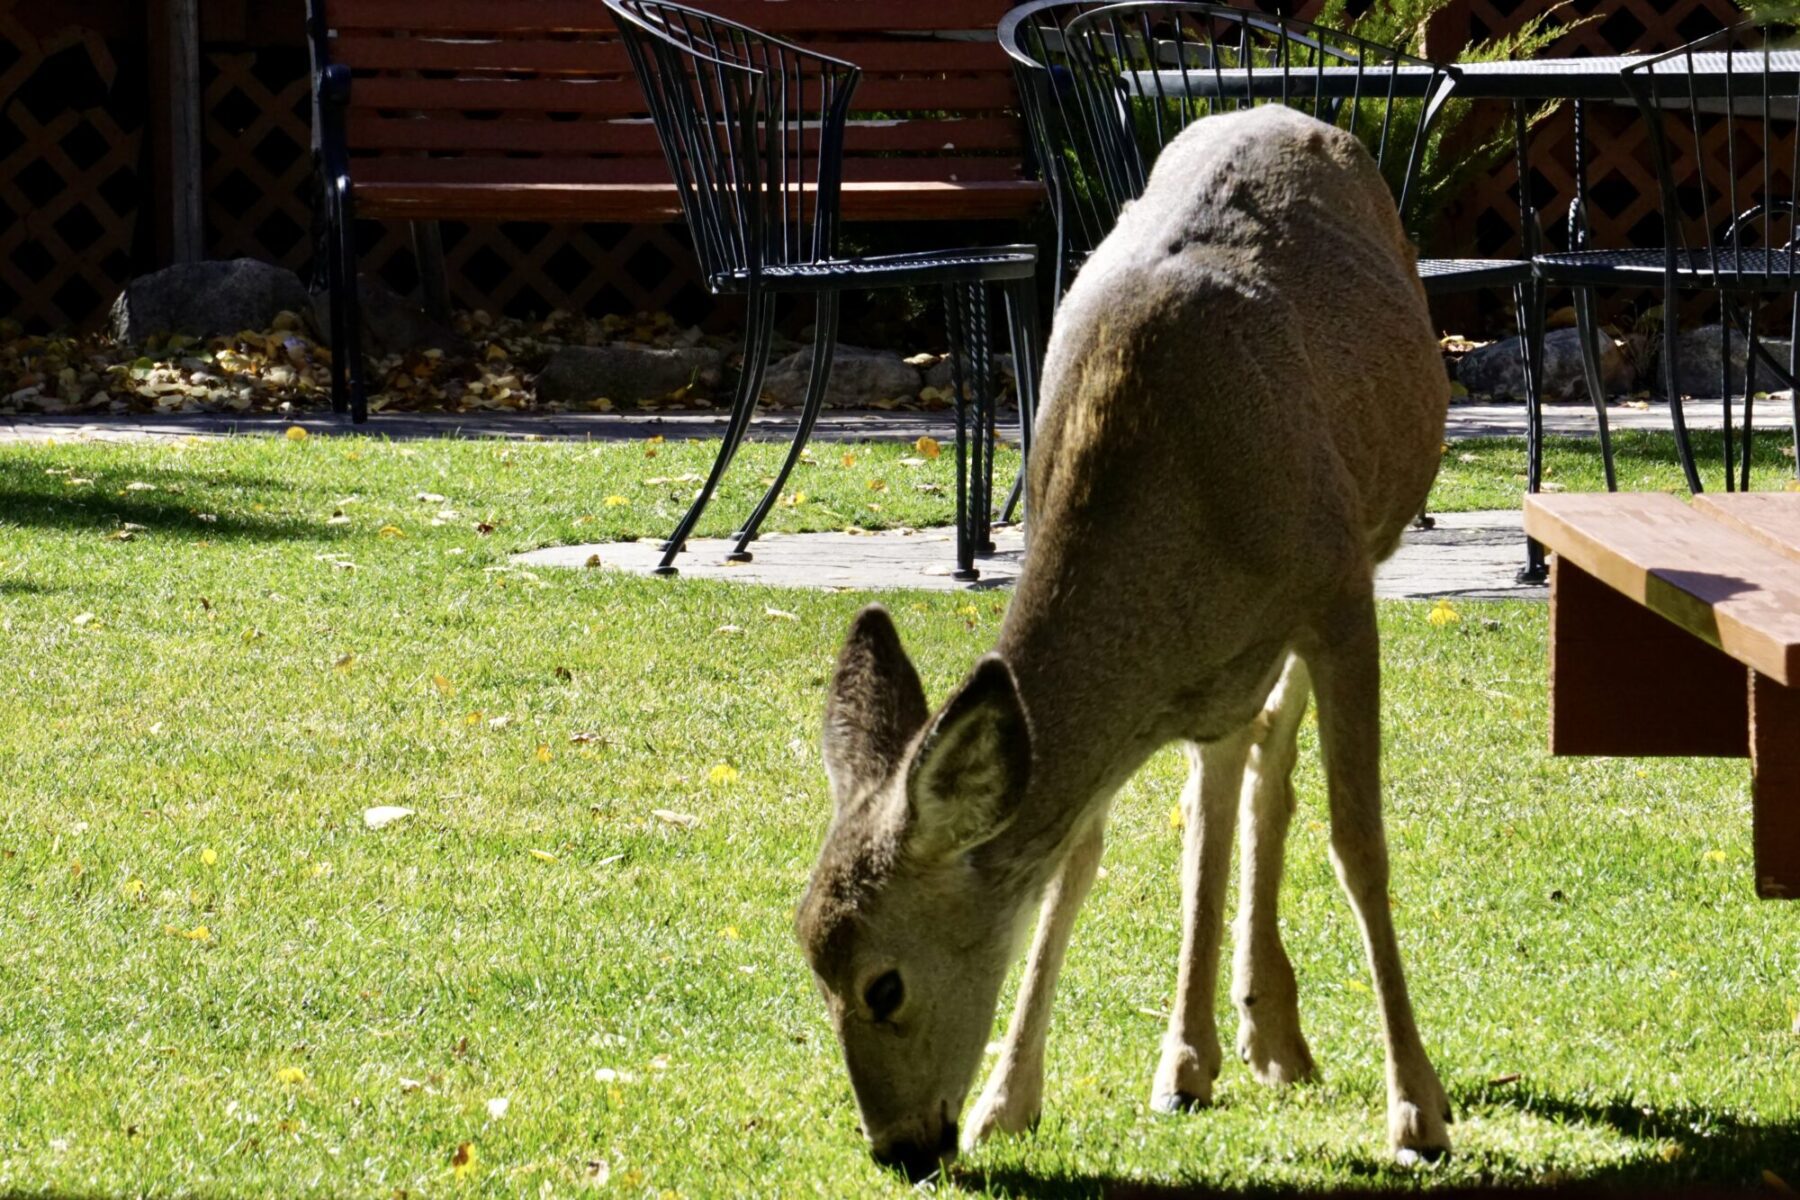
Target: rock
x,y
859,378
626,372
1495,370
938,374
207,299
1697,363
392,324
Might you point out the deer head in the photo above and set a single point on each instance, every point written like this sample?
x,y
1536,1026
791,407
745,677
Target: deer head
x,y
902,924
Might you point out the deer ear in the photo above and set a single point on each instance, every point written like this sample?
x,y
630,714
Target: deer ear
x,y
875,707
970,772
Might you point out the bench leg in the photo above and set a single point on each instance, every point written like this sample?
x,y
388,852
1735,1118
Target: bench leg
x,y
1625,681
1022,326
434,280
1775,786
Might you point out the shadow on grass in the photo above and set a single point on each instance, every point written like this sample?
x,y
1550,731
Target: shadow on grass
x,y
23,587
1688,1153
102,513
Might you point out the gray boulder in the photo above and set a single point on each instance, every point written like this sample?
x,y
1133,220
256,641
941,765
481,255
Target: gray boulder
x,y
626,372
1495,370
207,299
392,324
859,378
1697,363
938,374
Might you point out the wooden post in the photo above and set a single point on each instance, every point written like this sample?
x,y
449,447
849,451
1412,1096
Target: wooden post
x,y
176,121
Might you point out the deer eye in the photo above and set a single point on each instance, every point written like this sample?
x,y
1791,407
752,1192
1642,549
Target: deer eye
x,y
884,995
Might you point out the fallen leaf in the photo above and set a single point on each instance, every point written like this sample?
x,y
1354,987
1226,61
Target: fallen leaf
x,y
543,754
86,618
390,531
928,446
383,815
780,614
543,856
443,685
496,1108
209,856
1443,613
1176,819
722,774
668,817
290,1076
463,1161
615,501
296,434
593,560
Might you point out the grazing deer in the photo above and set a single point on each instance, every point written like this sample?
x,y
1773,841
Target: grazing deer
x,y
1245,403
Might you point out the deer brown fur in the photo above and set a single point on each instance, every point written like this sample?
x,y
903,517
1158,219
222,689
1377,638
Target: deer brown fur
x,y
1244,406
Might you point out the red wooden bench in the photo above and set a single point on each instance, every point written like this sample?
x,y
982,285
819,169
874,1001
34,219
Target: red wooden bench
x,y
526,110
1675,630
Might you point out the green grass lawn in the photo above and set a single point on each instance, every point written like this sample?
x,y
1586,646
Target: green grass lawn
x,y
218,981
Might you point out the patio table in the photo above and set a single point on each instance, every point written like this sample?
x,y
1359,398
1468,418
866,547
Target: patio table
x,y
1540,79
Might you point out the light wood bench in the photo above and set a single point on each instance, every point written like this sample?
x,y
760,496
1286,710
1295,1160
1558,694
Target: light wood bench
x,y
1675,630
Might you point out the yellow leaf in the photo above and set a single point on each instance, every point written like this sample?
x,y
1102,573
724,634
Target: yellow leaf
x,y
473,718
928,446
290,1076
345,662
132,888
209,856
969,611
543,855
198,933
463,1161
1176,820
849,460
722,774
1356,985
1717,856
878,485
390,531
729,933
543,754
615,501
443,685
1793,485
1443,613
296,434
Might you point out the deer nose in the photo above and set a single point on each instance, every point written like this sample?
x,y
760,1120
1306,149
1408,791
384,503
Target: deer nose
x,y
918,1159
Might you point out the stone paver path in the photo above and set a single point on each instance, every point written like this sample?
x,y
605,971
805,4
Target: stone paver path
x,y
1469,555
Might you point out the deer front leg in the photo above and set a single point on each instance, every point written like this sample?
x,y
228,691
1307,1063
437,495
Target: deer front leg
x,y
1190,1050
1262,986
1346,669
1014,1094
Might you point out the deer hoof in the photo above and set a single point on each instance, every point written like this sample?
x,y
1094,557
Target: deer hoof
x,y
1176,1103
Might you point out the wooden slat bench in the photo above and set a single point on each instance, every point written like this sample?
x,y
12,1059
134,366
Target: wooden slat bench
x,y
1675,630
528,110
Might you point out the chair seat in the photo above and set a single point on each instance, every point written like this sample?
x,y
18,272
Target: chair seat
x,y
1775,270
986,264
1442,275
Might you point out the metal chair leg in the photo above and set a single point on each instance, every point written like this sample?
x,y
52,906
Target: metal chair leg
x,y
953,320
1684,448
1794,375
1750,352
825,325
1596,381
1528,299
334,290
981,371
1022,329
1725,390
759,325
351,329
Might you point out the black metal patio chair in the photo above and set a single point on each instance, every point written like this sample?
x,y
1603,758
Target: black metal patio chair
x,y
753,131
1726,145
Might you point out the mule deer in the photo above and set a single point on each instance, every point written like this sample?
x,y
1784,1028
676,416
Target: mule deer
x,y
1244,410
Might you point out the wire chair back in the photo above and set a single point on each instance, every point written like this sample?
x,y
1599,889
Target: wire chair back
x,y
1107,86
1724,119
753,131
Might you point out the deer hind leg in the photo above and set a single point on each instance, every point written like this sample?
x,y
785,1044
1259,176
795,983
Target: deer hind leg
x,y
1346,670
1190,1049
1013,1097
1262,985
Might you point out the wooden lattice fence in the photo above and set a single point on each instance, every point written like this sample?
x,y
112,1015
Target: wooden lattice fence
x,y
71,136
